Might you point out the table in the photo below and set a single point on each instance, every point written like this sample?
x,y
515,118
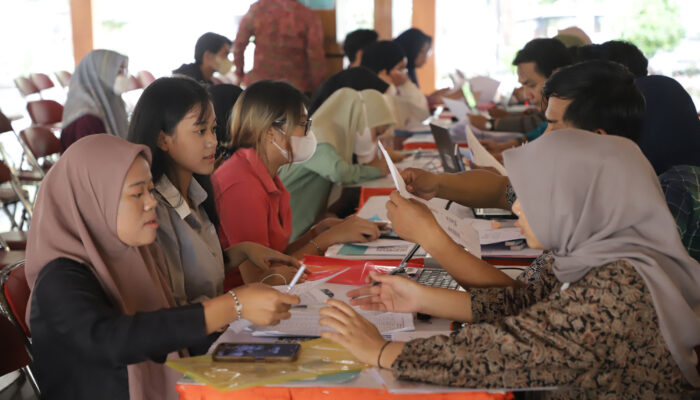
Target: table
x,y
367,385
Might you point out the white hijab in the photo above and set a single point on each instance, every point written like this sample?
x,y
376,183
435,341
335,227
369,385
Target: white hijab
x,y
345,115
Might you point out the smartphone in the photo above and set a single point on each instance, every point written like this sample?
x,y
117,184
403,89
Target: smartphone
x,y
267,352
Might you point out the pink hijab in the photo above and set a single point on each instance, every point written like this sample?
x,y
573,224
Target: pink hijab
x,y
76,218
593,199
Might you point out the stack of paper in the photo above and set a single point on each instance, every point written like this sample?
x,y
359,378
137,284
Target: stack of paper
x,y
420,138
378,249
489,235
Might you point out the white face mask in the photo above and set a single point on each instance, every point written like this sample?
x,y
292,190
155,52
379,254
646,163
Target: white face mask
x,y
365,147
121,84
303,148
223,65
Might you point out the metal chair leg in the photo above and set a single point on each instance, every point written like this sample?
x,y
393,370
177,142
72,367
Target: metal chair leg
x,y
32,380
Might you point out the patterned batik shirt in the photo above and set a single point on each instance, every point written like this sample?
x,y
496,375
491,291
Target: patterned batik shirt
x,y
597,338
288,44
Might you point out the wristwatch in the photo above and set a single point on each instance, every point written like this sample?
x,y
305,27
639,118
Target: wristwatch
x,y
489,125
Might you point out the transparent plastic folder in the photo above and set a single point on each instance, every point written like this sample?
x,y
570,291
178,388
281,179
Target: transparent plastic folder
x,y
316,358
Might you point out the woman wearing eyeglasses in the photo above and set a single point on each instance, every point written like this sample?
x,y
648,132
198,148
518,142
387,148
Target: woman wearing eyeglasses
x,y
270,129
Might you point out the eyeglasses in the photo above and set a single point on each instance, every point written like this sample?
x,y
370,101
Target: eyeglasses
x,y
306,124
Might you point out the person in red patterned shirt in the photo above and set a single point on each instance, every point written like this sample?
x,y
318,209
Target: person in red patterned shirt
x,y
288,44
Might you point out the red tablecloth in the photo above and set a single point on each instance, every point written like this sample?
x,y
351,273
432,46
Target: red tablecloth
x,y
201,392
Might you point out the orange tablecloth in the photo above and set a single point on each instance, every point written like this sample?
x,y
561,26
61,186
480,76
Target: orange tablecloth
x,y
201,392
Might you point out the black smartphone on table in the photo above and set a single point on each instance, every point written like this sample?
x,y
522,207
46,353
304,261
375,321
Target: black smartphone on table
x,y
266,352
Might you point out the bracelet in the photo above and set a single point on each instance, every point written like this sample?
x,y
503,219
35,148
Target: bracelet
x,y
318,248
239,307
379,357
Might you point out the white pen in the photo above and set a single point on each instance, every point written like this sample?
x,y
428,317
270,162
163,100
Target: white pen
x,y
296,277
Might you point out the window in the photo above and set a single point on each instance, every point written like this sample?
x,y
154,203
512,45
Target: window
x,y
37,37
481,38
158,35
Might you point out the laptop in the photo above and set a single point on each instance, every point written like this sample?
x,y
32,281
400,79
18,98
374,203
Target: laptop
x,y
452,162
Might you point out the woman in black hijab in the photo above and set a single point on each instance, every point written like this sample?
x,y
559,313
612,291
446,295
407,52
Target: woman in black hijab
x,y
670,130
416,45
358,78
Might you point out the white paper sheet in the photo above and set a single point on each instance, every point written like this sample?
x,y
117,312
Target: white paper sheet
x,y
458,107
305,323
374,208
481,156
459,230
486,86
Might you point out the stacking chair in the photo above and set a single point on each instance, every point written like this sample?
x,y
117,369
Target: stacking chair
x,y
11,194
45,112
145,78
42,144
14,354
63,78
36,173
26,87
41,81
14,297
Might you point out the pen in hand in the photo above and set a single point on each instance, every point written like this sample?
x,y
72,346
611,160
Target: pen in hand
x,y
296,278
402,266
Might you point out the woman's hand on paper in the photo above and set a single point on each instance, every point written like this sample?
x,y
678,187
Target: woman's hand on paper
x,y
353,229
395,294
263,305
411,220
351,330
421,183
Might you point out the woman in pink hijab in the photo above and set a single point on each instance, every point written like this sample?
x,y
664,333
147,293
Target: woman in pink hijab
x,y
102,314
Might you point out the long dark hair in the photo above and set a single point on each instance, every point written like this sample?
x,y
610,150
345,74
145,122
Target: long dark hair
x,y
412,42
162,105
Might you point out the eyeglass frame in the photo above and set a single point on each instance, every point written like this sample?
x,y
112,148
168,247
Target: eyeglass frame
x,y
307,125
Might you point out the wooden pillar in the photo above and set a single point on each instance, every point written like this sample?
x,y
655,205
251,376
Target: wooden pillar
x,y
382,19
424,19
334,53
81,19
